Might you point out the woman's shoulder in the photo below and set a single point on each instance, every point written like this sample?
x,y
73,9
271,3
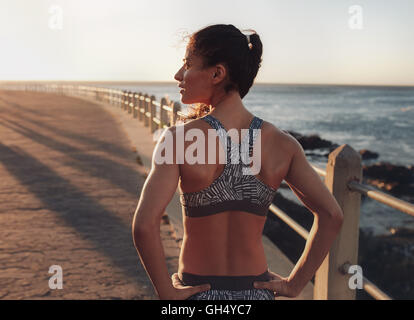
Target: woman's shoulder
x,y
181,129
274,135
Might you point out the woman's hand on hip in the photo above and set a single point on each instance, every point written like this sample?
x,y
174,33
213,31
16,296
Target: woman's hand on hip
x,y
279,285
183,292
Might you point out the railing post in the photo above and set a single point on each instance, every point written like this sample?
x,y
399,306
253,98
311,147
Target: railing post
x,y
152,108
140,107
130,101
126,101
119,94
134,104
105,92
344,165
176,106
120,100
145,105
163,113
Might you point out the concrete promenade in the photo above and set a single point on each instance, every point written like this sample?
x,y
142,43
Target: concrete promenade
x,y
71,171
69,185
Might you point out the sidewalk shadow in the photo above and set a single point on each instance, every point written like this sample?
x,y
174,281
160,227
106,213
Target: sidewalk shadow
x,y
109,234
93,165
104,145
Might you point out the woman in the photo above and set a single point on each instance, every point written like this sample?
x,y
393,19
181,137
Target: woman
x,y
225,202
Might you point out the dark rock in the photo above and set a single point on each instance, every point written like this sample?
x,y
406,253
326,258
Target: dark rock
x,y
396,179
388,172
314,142
366,154
388,262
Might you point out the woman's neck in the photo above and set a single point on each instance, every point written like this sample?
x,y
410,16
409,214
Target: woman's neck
x,y
230,109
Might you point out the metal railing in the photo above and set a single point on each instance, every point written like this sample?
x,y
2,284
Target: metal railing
x,y
369,191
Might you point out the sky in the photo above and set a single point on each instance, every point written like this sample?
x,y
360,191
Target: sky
x,y
308,42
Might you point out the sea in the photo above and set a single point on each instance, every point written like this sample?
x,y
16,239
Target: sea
x,y
377,118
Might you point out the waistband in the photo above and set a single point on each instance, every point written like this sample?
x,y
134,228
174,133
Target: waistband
x,y
224,282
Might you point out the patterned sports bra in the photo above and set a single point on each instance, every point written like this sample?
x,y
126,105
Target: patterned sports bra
x,y
233,189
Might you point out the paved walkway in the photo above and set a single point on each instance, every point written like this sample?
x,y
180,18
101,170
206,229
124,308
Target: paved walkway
x,y
68,191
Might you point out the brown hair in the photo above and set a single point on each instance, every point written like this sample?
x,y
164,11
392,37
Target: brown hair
x,y
224,43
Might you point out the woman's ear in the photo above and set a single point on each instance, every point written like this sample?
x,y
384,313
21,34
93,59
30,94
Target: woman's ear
x,y
220,73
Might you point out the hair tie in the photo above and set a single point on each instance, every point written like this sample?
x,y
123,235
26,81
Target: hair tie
x,y
249,44
248,33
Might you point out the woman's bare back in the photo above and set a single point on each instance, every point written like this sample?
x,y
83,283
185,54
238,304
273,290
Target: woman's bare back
x,y
230,242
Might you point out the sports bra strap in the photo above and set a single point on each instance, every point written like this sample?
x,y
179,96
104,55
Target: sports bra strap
x,y
221,132
256,123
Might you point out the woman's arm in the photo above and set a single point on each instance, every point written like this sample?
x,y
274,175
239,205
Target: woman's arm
x,y
157,192
308,187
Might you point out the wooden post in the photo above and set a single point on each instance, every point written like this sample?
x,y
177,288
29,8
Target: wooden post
x,y
120,98
152,107
121,102
126,102
176,106
146,109
140,107
130,101
344,165
134,104
106,95
167,114
163,113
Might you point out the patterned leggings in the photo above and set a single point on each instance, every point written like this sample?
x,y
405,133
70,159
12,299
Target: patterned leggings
x,y
250,294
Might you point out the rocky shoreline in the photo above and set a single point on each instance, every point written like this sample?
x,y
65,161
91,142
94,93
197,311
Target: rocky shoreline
x,y
386,260
396,179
